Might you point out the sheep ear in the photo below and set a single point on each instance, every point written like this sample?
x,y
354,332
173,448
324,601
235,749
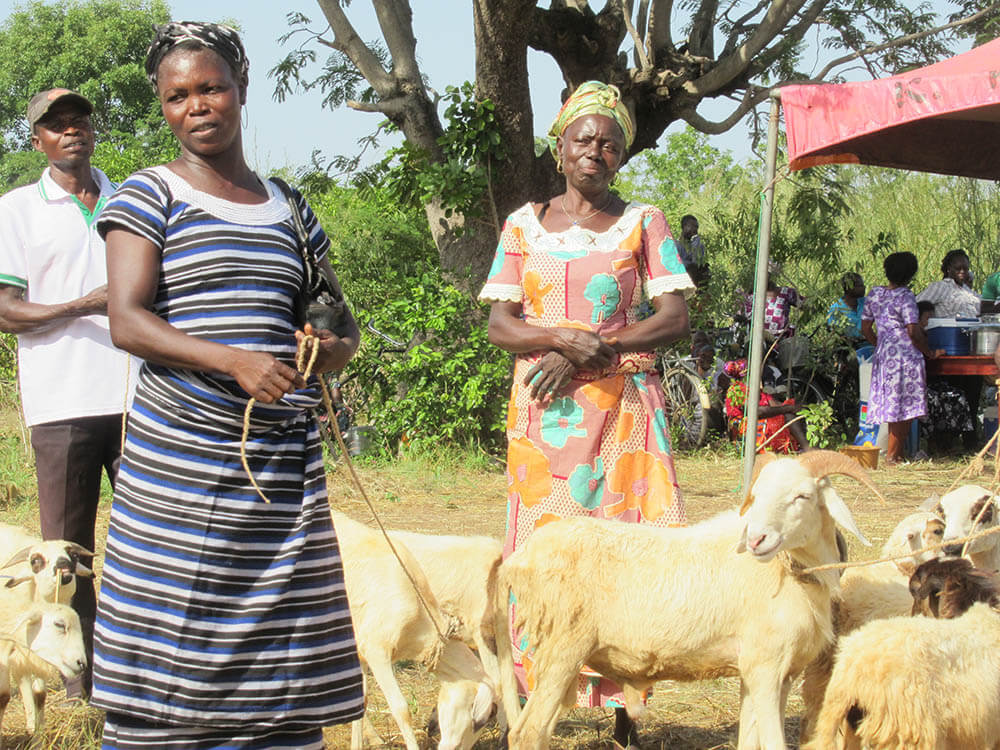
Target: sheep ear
x,y
930,504
83,570
741,545
13,581
80,550
18,557
842,514
31,619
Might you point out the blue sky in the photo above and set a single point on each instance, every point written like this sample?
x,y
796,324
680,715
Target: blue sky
x,y
285,134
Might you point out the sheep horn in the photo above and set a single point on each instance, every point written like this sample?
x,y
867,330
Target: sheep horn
x,y
821,463
80,550
763,459
18,557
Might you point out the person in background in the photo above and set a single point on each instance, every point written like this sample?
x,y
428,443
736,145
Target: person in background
x,y
953,297
779,300
53,295
777,430
223,620
844,315
890,323
948,416
692,251
587,430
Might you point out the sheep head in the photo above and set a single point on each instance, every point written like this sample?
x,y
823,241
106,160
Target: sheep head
x,y
960,508
948,588
52,565
786,502
467,700
52,632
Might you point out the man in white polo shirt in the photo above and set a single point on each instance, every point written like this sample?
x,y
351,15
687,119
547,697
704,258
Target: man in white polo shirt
x,y
53,295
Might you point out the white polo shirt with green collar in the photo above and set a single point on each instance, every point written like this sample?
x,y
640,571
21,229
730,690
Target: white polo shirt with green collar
x,y
49,247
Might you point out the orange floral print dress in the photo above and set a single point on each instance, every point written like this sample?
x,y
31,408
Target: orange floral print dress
x,y
601,447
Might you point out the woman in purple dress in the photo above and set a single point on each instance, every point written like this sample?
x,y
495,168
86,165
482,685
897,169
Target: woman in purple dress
x,y
899,383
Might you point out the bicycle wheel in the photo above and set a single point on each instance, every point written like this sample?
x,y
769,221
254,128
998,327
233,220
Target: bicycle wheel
x,y
805,391
687,406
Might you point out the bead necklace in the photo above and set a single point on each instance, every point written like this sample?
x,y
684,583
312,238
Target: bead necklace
x,y
575,222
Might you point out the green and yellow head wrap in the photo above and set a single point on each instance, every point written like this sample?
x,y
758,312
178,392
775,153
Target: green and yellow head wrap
x,y
593,98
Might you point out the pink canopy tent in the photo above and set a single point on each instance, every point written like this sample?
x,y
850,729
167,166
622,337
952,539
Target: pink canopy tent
x,y
943,118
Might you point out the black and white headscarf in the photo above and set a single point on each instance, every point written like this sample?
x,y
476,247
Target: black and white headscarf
x,y
219,38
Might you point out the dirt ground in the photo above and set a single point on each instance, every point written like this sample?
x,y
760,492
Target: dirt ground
x,y
444,497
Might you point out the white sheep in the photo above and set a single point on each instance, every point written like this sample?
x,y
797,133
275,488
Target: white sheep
x,y
391,625
39,570
871,592
32,642
458,569
960,508
915,683
700,610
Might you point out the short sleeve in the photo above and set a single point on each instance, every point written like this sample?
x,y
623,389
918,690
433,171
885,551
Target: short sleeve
x,y
318,241
661,257
935,293
503,283
908,311
141,206
13,262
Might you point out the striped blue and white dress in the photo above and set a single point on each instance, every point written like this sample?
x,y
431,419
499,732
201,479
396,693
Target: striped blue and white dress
x,y
223,620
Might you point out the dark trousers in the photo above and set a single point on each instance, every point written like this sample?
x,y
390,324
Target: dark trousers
x,y
69,458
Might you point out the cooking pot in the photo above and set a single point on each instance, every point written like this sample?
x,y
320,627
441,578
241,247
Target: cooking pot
x,y
984,339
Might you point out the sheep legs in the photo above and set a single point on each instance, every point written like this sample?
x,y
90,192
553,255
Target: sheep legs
x,y
556,689
33,697
761,712
382,672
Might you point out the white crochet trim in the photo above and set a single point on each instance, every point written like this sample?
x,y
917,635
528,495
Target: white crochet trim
x,y
605,242
274,210
502,293
677,282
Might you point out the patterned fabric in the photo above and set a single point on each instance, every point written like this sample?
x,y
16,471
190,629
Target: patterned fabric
x,y
593,98
844,320
951,300
221,39
216,608
735,406
776,309
602,446
899,384
948,412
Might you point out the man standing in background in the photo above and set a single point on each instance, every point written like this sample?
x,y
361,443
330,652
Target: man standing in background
x,y
53,295
692,251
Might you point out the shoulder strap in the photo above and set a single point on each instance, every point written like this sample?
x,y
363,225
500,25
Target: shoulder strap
x,y
308,261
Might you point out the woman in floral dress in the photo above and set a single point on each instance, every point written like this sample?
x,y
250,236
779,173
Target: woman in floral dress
x,y
899,382
586,425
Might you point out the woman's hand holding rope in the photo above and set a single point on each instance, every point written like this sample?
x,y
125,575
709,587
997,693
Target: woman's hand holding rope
x,y
334,351
264,377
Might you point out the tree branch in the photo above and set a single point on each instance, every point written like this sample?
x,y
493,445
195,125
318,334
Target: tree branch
x,y
736,64
658,36
903,40
346,39
396,21
640,52
751,98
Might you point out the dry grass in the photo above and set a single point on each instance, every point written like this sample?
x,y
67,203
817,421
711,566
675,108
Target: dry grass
x,y
445,496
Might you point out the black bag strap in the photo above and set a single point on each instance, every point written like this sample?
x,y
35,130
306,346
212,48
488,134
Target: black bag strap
x,y
305,248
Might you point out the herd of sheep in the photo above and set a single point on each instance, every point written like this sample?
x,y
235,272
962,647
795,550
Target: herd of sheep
x,y
897,654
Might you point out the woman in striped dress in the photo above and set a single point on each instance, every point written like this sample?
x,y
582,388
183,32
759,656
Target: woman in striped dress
x,y
223,619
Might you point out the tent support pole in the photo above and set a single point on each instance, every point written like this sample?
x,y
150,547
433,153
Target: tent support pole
x,y
756,353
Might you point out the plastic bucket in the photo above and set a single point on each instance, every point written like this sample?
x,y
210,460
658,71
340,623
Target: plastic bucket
x,y
866,455
360,439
